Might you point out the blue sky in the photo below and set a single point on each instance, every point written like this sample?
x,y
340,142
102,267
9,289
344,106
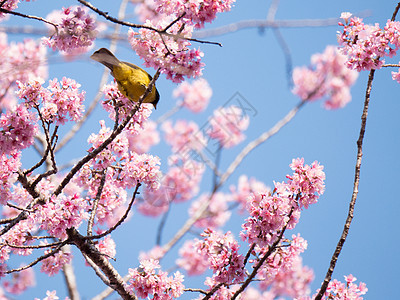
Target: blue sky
x,y
251,63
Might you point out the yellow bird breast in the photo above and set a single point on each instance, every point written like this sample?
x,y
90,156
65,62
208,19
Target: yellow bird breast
x,y
132,82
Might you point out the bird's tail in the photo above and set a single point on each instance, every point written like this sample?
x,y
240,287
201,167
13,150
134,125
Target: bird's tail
x,y
105,57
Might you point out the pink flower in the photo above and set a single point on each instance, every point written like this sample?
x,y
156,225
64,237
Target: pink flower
x,y
216,214
17,130
60,213
172,55
327,78
145,138
194,11
227,126
194,262
367,45
60,102
222,253
246,189
269,213
340,291
184,136
107,247
20,282
76,30
53,264
20,62
9,165
140,168
195,95
145,281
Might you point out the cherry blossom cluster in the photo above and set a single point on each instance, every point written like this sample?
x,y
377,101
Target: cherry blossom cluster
x,y
146,137
222,253
347,290
172,55
195,95
20,282
283,273
17,130
61,213
227,125
132,168
271,212
145,281
179,184
327,78
245,189
53,264
367,45
20,61
216,214
76,30
191,260
341,291
59,102
193,11
184,136
9,5
9,165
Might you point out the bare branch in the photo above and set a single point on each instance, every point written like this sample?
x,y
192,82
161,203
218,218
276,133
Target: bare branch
x,y
28,17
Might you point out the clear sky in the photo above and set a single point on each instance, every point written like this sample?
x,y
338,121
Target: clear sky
x,y
252,63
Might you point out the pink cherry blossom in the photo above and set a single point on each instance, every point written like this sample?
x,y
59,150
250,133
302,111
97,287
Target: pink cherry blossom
x,y
365,45
146,137
59,102
53,264
172,55
195,95
20,61
76,30
60,213
20,282
194,11
227,125
17,130
106,247
327,78
9,165
184,136
270,213
222,253
146,281
216,214
194,262
341,291
245,189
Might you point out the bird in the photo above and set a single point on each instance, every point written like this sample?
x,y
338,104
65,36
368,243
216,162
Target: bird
x,y
132,80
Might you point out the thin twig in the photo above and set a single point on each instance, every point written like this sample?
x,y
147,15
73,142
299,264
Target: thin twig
x,y
39,259
28,17
161,225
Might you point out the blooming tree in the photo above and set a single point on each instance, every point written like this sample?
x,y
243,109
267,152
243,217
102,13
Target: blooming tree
x,y
53,212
